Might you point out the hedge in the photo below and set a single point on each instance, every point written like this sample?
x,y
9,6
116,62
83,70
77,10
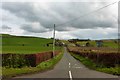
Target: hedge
x,y
109,59
22,60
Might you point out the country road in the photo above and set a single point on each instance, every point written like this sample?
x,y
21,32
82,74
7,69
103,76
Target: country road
x,y
71,69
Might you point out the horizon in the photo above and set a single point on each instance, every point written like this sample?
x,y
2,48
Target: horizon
x,y
61,39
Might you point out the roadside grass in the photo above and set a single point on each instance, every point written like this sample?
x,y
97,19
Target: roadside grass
x,y
0,72
87,62
114,71
49,64
90,64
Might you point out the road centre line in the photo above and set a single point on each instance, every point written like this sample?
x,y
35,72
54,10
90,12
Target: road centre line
x,y
69,64
70,75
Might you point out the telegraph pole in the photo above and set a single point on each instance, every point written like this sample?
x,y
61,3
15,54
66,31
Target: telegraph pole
x,y
54,41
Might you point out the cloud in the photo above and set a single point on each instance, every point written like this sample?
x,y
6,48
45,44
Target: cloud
x,y
5,27
38,19
34,27
98,33
48,14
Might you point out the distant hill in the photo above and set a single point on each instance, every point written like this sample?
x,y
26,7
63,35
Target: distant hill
x,y
20,40
8,35
24,44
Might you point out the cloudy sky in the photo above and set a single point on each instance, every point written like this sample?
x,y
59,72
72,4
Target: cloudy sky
x,y
76,19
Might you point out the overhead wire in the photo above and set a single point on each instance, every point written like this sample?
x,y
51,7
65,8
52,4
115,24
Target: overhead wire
x,y
85,14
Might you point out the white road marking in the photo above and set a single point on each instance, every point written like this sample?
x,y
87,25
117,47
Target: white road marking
x,y
78,67
70,75
69,65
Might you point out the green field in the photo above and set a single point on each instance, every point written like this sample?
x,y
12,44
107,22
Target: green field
x,y
25,45
109,43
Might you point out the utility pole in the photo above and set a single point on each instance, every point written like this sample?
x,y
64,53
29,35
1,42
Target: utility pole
x,y
54,41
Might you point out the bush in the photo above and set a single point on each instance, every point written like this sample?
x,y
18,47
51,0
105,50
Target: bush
x,y
22,60
109,59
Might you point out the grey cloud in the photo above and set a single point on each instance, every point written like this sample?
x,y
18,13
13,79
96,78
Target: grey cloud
x,y
34,27
29,29
94,34
24,10
5,27
58,13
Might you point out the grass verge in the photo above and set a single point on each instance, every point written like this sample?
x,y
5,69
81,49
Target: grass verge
x,y
90,64
49,64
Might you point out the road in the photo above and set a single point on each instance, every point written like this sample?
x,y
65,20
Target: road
x,y
71,69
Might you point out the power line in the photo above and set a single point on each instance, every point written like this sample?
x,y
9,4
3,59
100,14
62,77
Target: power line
x,y
85,14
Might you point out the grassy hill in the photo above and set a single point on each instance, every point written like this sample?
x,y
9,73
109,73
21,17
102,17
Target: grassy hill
x,y
25,45
106,43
